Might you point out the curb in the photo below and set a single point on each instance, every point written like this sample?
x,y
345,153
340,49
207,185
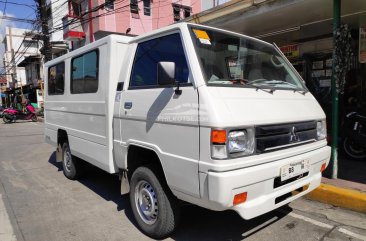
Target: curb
x,y
340,197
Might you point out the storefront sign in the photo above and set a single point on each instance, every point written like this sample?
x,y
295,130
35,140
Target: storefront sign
x,y
291,51
362,47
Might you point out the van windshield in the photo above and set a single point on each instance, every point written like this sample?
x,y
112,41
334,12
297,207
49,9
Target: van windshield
x,y
238,61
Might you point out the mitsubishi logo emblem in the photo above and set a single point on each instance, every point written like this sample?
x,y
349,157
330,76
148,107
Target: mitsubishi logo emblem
x,y
294,137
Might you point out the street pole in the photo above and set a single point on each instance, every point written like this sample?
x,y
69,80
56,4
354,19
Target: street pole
x,y
335,95
42,11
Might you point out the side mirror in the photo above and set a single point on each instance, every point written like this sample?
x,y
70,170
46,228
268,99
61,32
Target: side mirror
x,y
166,73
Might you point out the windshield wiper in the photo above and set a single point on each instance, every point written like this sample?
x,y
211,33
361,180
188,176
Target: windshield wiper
x,y
258,87
295,88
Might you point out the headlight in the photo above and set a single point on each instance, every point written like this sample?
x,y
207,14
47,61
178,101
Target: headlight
x,y
234,144
321,130
241,141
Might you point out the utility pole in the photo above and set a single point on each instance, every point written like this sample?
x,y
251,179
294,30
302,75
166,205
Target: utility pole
x,y
335,95
42,13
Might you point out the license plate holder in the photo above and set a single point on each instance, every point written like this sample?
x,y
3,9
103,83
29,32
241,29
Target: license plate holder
x,y
294,169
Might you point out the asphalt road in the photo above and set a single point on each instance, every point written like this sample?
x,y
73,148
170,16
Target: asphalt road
x,y
38,203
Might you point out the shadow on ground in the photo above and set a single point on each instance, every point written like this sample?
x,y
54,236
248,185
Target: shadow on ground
x,y
196,223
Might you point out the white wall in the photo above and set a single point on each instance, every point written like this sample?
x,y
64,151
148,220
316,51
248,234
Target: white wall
x,y
14,40
59,9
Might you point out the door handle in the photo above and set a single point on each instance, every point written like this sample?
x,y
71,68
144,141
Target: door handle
x,y
128,105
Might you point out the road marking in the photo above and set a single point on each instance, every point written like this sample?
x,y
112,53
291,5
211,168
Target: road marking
x,y
6,230
355,235
313,221
328,226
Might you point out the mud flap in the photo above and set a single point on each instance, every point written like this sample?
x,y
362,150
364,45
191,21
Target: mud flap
x,y
125,185
59,153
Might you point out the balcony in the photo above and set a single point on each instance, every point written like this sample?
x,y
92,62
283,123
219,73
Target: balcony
x,y
72,28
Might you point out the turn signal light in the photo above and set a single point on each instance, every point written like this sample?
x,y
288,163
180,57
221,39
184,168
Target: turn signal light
x,y
322,168
218,136
240,198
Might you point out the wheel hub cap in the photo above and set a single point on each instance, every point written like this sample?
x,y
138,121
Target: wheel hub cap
x,y
146,202
67,158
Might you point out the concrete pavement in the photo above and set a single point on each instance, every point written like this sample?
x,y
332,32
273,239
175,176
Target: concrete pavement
x,y
38,203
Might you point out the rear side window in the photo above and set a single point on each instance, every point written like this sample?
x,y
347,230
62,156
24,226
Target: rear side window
x,y
56,79
84,73
150,53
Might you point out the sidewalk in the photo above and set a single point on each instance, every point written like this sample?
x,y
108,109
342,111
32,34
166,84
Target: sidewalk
x,y
349,190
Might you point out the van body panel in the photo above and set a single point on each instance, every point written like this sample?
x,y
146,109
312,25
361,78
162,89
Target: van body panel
x,y
87,117
169,125
235,106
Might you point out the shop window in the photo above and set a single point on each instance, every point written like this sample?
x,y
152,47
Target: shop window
x,y
134,6
150,53
84,76
109,4
56,79
147,7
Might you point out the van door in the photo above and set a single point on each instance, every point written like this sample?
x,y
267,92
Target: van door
x,y
155,117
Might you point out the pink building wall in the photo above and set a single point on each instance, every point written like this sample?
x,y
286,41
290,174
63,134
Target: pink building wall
x,y
121,18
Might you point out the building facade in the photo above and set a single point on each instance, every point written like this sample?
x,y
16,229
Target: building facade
x,y
56,10
18,44
89,20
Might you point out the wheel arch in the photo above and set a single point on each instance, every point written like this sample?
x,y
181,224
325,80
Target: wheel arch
x,y
61,139
141,155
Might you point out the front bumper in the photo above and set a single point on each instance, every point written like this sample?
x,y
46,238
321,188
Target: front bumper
x,y
258,182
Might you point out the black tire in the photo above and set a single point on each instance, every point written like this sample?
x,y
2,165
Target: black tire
x,y
165,212
354,150
34,118
6,120
72,167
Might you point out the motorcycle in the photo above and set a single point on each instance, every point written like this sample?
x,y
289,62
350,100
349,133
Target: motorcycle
x,y
11,114
354,141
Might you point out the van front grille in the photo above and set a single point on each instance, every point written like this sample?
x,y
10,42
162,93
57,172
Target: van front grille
x,y
275,137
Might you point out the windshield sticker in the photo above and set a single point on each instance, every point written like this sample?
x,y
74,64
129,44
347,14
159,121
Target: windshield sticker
x,y
202,36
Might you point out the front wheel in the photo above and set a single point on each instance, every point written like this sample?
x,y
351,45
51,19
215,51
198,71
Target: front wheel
x,y
354,150
6,119
154,207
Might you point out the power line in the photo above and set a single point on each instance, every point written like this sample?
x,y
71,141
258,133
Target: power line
x,y
4,10
24,20
18,4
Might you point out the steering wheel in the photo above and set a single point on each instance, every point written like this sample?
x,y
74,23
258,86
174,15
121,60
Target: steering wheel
x,y
274,63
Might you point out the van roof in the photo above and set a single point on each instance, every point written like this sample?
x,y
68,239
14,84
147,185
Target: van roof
x,y
129,39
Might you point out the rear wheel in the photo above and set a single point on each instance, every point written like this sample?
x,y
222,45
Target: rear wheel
x,y
155,208
72,168
34,118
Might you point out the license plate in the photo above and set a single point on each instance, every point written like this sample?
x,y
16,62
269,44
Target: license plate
x,y
294,169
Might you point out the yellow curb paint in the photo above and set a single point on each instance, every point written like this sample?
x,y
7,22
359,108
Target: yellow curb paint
x,y
339,197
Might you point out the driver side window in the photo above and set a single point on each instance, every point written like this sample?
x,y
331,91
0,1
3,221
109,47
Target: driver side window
x,y
148,54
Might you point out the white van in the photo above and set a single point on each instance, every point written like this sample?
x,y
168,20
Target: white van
x,y
187,113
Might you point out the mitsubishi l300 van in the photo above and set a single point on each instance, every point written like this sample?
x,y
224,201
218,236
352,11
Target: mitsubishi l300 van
x,y
187,113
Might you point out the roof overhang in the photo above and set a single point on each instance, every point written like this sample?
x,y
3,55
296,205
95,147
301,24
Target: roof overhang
x,y
29,60
282,21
